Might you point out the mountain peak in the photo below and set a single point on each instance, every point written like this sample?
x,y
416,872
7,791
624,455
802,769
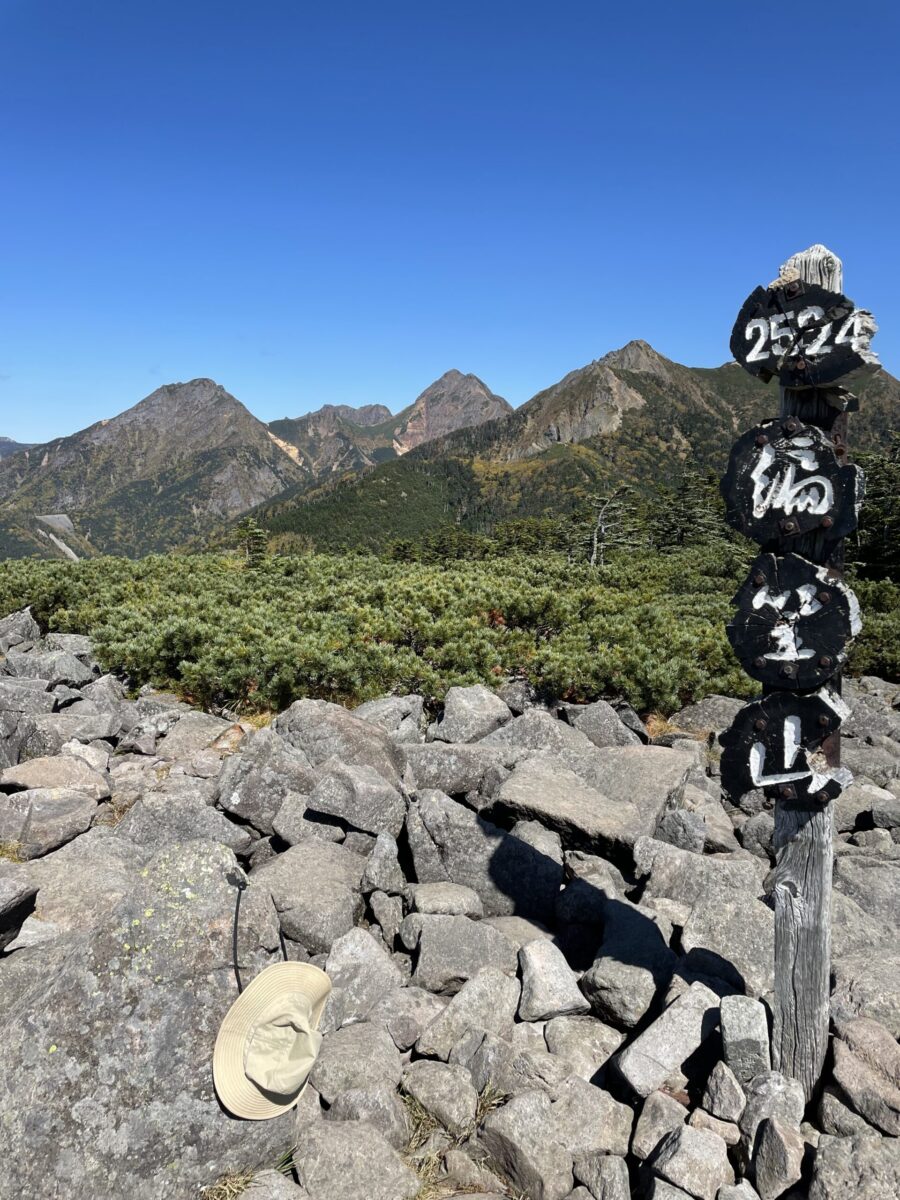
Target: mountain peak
x,y
637,355
454,401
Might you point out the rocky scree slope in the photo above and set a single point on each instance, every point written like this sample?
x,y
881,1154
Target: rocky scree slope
x,y
549,937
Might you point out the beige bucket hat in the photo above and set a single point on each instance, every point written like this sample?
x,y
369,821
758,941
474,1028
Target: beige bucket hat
x,y
269,1040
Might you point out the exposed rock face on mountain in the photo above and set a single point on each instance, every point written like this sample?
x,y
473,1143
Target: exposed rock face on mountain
x,y
550,946
455,401
8,446
186,457
336,439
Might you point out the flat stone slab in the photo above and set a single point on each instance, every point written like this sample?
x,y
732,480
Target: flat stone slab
x,y
672,1038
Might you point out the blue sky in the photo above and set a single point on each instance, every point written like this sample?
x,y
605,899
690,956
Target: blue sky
x,y
336,203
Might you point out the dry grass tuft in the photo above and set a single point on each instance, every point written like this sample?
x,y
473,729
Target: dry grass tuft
x,y
260,720
229,1186
112,812
11,852
427,1166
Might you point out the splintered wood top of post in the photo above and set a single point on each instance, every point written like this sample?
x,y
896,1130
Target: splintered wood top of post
x,y
818,265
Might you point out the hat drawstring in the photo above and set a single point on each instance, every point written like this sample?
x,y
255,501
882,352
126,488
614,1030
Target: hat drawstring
x,y
240,882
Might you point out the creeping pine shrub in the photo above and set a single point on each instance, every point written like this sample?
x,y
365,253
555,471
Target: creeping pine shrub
x,y
648,627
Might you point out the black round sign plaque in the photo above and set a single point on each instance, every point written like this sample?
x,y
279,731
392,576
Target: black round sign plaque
x,y
804,334
775,744
785,479
794,623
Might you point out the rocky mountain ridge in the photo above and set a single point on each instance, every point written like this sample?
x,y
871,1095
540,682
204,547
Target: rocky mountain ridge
x,y
630,417
183,464
549,937
337,439
190,457
8,446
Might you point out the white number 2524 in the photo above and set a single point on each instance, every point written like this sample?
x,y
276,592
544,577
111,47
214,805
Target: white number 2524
x,y
775,336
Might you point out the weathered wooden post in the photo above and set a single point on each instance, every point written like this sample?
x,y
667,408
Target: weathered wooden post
x,y
789,488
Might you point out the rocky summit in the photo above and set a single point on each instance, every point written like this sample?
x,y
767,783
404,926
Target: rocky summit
x,y
549,938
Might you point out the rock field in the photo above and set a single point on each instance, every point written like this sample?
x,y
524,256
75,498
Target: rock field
x,y
550,942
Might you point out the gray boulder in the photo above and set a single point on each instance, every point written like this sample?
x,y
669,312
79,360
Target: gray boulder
x,y
78,886
315,888
836,1118
584,1043
355,1056
549,985
586,1119
322,731
63,771
691,878
377,1103
758,836
458,770
861,1167
605,1176
470,713
544,790
508,873
694,1160
383,872
723,1095
868,985
399,716
873,883
867,1067
358,796
444,1090
55,666
745,1037
292,824
601,724
17,628
519,1137
682,828
633,966
351,1160
710,715
45,734
37,821
362,973
777,1158
771,1095
452,950
25,696
254,783
488,1002
446,899
155,821
192,732
733,940
405,1012
672,1038
156,979
660,1115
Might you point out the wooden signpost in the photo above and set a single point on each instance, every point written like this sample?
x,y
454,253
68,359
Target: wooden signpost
x,y
790,488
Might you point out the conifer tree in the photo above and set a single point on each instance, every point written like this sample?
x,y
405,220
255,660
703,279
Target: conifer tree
x,y
251,541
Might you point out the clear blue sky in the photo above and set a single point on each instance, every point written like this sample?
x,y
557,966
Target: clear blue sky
x,y
337,202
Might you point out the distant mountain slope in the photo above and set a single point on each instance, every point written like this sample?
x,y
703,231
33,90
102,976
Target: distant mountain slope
x,y
630,416
8,446
174,466
337,438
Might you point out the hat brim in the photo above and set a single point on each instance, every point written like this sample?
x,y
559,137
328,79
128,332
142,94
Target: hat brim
x,y
238,1094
